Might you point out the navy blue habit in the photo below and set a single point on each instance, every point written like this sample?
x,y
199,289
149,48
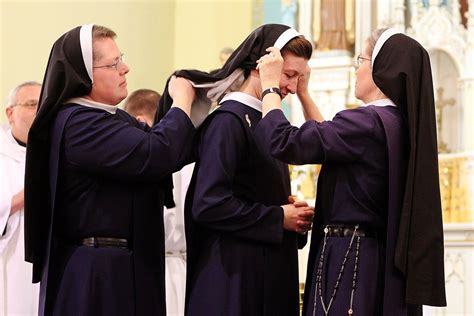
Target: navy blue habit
x,y
352,188
94,171
240,259
379,170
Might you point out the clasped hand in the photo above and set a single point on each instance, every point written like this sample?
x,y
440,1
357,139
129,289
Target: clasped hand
x,y
298,216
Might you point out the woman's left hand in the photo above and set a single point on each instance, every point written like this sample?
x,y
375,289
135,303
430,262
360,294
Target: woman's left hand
x,y
303,82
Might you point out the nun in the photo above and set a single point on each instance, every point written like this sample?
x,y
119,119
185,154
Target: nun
x,y
93,206
242,233
377,240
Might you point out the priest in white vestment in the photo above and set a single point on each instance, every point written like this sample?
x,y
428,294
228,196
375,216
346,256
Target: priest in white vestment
x,y
18,295
175,244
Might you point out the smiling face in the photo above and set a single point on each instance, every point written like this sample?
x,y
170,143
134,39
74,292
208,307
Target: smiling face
x,y
293,68
110,84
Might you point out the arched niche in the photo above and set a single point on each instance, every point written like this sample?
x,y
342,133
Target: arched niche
x,y
447,90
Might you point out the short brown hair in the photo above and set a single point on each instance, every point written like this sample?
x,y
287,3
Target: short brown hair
x,y
100,32
298,46
142,102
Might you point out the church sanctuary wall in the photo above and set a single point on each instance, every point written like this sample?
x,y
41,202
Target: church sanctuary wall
x,y
156,36
28,29
204,27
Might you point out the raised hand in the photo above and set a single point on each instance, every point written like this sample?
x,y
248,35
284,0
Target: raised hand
x,y
269,67
182,93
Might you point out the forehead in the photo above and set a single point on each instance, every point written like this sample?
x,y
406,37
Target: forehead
x,y
294,63
105,48
28,93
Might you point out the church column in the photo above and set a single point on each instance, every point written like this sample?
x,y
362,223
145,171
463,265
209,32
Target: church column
x,y
467,81
365,23
398,14
305,18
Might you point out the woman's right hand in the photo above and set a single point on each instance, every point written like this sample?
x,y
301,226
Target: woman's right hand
x,y
182,93
298,218
270,67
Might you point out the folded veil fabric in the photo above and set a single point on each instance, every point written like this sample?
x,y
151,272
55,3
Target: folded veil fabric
x,y
211,87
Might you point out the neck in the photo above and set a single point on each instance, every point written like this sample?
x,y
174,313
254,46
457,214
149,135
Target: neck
x,y
19,140
376,95
252,85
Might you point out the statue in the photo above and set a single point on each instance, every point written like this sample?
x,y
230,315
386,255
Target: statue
x,y
334,24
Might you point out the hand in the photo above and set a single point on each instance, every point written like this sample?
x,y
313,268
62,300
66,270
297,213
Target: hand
x,y
303,224
298,219
182,93
18,202
292,199
269,67
303,82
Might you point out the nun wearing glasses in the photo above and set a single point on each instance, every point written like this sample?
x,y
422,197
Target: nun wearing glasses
x,y
93,225
377,241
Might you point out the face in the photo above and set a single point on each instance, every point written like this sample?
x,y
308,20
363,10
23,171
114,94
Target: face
x,y
293,69
110,84
23,111
365,88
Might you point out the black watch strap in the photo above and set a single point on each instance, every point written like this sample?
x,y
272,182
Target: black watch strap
x,y
271,90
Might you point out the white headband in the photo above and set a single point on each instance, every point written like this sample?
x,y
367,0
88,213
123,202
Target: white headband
x,y
86,47
382,39
285,37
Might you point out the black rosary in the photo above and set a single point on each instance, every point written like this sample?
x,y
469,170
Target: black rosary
x,y
319,274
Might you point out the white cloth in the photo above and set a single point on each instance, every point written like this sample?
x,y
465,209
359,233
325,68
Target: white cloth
x,y
175,244
18,296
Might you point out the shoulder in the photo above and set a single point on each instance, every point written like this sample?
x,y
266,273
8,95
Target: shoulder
x,y
83,112
388,114
226,117
363,121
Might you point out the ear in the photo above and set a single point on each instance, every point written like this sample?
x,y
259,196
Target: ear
x,y
140,118
143,119
9,112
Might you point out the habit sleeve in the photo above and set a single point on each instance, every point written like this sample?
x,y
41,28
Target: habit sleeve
x,y
215,205
344,139
99,143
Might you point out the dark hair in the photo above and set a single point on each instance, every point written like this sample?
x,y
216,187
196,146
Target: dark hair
x,y
142,102
298,46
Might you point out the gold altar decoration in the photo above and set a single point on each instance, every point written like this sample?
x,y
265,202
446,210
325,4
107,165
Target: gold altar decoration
x,y
455,172
303,182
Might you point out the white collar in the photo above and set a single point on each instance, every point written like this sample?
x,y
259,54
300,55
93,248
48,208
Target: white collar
x,y
9,147
285,37
381,102
244,98
92,104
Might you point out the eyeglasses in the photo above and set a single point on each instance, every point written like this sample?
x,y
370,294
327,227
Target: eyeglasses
x,y
31,104
360,59
116,65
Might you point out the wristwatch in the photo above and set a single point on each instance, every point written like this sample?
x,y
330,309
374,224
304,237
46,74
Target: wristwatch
x,y
271,90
